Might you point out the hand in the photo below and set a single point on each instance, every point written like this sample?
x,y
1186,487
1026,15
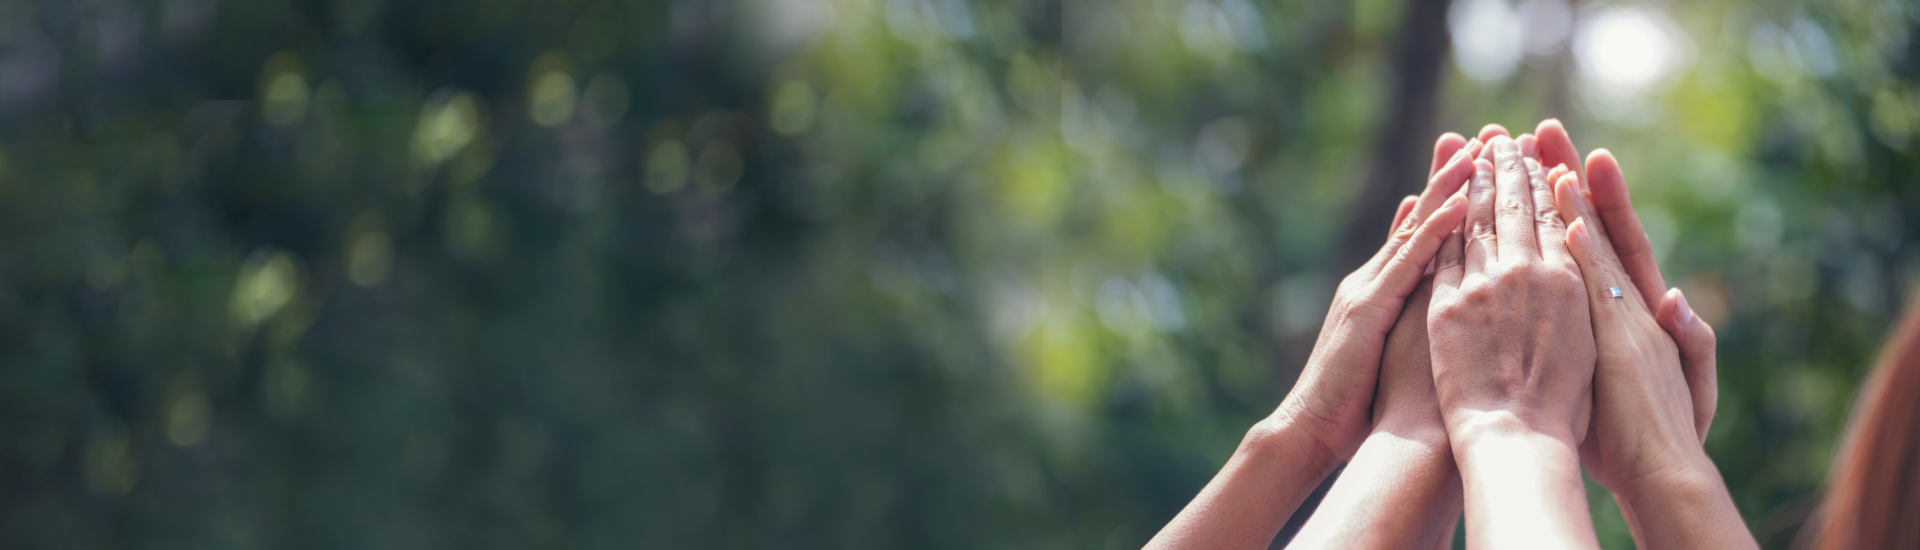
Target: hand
x,y
1509,316
1648,417
1400,489
1325,417
1605,189
1404,403
1513,355
1333,398
1644,417
1605,193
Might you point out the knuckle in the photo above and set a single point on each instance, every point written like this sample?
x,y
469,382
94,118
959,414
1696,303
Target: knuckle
x,y
1547,215
1514,207
1449,312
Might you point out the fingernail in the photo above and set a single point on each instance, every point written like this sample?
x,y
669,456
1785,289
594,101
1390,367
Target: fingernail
x,y
1682,313
1562,166
1529,147
1578,230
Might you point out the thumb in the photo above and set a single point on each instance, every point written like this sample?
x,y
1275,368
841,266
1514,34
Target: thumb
x,y
1696,343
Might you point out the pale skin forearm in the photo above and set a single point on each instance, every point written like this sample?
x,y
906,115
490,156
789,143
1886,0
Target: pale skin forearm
x,y
1522,487
1397,492
1246,504
1687,507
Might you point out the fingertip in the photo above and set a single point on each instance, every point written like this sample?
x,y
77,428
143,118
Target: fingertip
x,y
1605,182
1682,314
1487,132
1578,239
1601,159
1529,145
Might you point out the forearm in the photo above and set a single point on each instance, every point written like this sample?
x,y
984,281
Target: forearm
x,y
1686,507
1399,491
1522,488
1245,505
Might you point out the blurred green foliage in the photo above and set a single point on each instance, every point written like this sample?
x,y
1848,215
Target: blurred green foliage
x,y
829,273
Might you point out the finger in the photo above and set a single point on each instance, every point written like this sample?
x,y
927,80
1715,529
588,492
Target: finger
x,y
1602,274
1397,279
1696,341
1574,202
1546,216
1480,226
1447,180
1553,176
1556,146
1443,150
1443,184
1400,214
1449,265
1529,146
1607,189
1513,195
1489,131
1594,270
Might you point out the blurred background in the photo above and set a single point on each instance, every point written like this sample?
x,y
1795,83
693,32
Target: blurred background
x,y
842,273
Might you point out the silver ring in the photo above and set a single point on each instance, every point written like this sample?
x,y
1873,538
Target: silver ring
x,y
1614,292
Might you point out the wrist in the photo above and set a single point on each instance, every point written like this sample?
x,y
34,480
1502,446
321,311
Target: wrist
x,y
1286,435
1687,479
1476,426
1425,432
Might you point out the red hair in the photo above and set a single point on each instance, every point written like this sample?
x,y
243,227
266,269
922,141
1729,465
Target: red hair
x,y
1873,495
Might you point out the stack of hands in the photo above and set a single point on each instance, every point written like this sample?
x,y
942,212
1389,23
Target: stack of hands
x,y
1513,328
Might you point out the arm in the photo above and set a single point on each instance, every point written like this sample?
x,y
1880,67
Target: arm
x,y
1647,425
1401,489
1523,487
1276,466
1326,416
1397,492
1602,199
1513,355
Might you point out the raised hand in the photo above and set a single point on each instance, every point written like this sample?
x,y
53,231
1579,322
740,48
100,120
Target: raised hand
x,y
1334,395
1401,489
1513,358
1327,415
1605,188
1647,427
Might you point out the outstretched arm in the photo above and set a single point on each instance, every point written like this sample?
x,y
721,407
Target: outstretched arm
x,y
1513,355
1655,381
1646,436
1401,489
1327,415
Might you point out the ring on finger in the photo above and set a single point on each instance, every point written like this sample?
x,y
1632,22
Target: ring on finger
x,y
1615,292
